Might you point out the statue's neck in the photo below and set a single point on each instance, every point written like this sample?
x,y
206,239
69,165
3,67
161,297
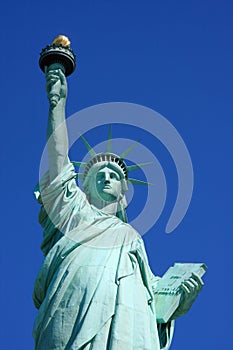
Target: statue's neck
x,y
106,207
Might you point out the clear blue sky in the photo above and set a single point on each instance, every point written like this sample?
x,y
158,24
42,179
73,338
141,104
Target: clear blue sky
x,y
172,56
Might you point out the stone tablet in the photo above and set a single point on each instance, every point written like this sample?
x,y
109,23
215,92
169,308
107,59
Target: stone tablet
x,y
168,291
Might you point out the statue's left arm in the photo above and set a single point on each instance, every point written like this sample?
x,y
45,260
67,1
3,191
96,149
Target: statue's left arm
x,y
190,290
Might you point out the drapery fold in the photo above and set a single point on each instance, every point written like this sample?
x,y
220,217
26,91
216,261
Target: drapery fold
x,y
95,280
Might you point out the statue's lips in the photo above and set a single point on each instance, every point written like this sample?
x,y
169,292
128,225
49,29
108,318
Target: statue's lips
x,y
107,187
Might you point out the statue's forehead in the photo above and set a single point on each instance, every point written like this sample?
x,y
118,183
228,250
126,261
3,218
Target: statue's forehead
x,y
108,168
106,165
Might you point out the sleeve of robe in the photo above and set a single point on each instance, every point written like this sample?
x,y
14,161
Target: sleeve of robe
x,y
58,200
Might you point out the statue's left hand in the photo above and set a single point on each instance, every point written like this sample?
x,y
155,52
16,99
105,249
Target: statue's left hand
x,y
190,290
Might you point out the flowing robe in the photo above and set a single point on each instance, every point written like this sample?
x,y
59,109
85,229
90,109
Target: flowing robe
x,y
95,288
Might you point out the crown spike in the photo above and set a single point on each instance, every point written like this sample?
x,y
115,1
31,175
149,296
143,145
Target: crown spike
x,y
79,164
126,152
109,144
88,147
139,182
137,166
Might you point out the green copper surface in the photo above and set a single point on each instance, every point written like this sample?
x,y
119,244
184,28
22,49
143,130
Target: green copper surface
x,y
95,289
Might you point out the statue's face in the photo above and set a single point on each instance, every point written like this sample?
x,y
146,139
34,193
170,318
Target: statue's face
x,y
108,184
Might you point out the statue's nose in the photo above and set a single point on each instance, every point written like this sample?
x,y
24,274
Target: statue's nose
x,y
107,179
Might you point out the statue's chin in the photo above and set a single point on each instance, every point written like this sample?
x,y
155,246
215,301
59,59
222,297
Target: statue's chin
x,y
107,196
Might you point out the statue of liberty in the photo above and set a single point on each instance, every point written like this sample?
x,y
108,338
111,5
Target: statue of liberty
x,y
95,289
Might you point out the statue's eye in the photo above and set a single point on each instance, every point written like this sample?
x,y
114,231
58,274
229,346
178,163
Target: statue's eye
x,y
99,177
114,176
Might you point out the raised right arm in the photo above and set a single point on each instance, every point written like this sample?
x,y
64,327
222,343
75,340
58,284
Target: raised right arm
x,y
64,205
57,138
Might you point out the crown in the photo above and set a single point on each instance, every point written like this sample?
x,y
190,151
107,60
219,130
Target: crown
x,y
111,158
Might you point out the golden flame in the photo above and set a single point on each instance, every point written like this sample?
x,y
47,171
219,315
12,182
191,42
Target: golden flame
x,y
61,40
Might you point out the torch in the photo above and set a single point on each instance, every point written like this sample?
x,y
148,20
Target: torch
x,y
58,55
